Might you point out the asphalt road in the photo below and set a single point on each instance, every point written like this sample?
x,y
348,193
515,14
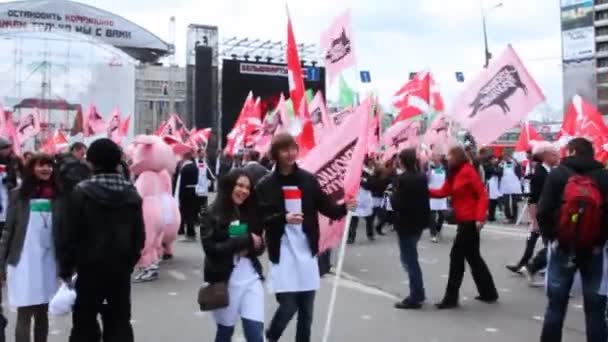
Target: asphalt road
x,y
166,310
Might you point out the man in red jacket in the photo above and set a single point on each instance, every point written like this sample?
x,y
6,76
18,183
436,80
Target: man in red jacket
x,y
470,203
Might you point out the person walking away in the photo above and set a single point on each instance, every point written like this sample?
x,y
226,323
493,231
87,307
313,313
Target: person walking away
x,y
185,193
470,203
411,203
290,202
365,209
493,173
548,157
388,180
254,169
573,217
436,178
101,242
511,186
378,185
231,235
27,250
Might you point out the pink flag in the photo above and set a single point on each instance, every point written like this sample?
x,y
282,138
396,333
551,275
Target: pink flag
x,y
438,137
93,122
199,138
321,123
337,46
114,126
401,135
329,162
498,99
340,117
373,142
29,126
10,131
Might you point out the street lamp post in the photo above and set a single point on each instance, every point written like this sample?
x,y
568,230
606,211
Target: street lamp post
x,y
484,14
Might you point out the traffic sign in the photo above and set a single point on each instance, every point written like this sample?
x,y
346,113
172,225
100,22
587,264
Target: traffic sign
x,y
366,77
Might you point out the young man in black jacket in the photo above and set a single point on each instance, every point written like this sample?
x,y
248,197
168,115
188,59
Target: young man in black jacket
x,y
185,192
564,262
411,202
101,241
290,200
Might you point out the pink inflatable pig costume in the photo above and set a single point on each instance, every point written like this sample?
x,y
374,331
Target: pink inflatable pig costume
x,y
153,161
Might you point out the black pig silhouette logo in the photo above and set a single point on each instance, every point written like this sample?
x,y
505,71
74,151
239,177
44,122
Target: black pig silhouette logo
x,y
339,49
498,90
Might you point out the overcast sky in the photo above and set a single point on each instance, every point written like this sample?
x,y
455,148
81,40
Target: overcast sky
x,y
392,37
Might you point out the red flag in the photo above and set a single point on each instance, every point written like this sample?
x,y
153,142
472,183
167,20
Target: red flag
x,y
125,125
294,68
55,144
337,164
584,120
161,129
199,138
528,134
306,138
237,137
413,98
436,101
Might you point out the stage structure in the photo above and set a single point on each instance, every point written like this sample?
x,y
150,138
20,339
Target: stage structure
x,y
259,65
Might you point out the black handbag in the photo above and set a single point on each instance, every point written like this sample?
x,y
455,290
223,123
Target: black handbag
x,y
213,297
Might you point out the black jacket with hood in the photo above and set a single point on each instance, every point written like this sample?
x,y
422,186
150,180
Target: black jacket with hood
x,y
551,198
103,227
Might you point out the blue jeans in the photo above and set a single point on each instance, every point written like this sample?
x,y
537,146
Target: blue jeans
x,y
560,276
289,304
408,244
254,332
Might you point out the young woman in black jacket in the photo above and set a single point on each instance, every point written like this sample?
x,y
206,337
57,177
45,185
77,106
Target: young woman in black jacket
x,y
231,238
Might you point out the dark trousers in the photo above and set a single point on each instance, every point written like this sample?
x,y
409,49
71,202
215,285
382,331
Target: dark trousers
x,y
93,287
539,261
354,224
529,251
384,217
492,210
324,261
189,208
289,304
560,276
466,247
437,219
408,246
511,207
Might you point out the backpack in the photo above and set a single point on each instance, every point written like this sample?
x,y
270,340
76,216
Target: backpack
x,y
580,216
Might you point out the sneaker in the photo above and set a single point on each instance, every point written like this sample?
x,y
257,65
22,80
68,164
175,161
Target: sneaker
x,y
188,239
515,269
167,257
531,277
434,239
147,276
487,300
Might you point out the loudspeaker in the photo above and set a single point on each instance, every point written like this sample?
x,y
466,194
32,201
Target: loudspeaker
x,y
203,88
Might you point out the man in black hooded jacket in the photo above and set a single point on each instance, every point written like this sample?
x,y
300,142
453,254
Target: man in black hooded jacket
x,y
101,241
564,262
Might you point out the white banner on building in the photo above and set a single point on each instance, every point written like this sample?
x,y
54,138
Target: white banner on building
x,y
578,43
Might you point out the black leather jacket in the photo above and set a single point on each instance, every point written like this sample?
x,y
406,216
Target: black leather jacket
x,y
220,248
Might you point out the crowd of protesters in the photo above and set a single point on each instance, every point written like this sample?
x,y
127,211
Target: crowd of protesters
x,y
77,219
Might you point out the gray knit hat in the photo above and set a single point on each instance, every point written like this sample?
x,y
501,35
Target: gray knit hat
x,y
5,143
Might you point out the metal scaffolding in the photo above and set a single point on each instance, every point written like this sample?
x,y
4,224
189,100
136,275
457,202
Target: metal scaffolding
x,y
266,50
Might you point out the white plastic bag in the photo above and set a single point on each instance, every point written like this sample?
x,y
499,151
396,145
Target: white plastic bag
x,y
63,301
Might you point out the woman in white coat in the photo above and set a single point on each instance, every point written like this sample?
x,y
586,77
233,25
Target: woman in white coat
x,y
231,238
27,249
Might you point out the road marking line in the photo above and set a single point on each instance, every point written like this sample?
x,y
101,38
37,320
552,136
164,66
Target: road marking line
x,y
491,330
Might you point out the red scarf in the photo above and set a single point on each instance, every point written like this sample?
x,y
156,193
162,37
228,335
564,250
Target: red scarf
x,y
45,190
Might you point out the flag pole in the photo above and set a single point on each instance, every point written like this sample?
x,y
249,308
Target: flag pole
x,y
334,289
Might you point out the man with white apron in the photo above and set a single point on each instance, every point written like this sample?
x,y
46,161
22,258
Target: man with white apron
x,y
202,185
493,172
510,187
437,176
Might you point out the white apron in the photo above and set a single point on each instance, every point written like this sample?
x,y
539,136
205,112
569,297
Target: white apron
x,y
493,188
245,294
436,181
509,183
365,204
202,186
298,269
34,280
